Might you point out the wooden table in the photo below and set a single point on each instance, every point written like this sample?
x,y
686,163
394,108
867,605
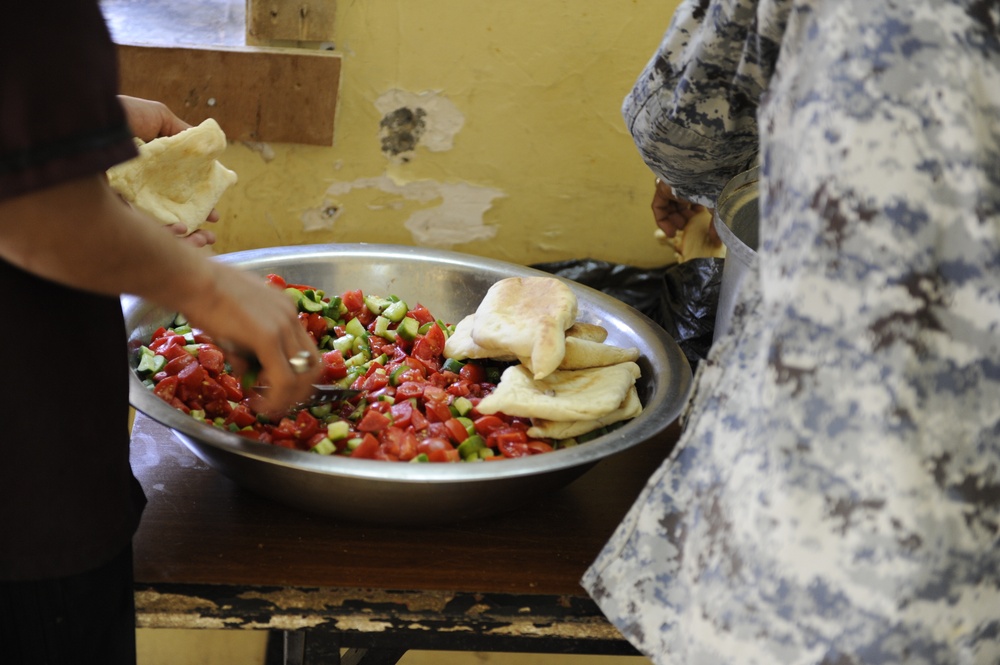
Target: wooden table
x,y
210,554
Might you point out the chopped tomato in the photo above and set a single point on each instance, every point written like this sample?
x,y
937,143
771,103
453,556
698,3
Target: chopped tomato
x,y
410,389
241,416
232,387
472,373
354,301
437,449
211,358
276,280
421,314
373,421
456,430
166,388
486,425
430,346
192,374
334,367
367,448
306,425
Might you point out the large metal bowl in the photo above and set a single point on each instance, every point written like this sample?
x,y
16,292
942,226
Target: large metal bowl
x,y
451,285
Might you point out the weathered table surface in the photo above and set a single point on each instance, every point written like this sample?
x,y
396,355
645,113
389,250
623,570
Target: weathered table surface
x,y
212,555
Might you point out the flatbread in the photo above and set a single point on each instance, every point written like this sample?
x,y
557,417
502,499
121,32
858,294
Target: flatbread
x,y
563,395
581,353
176,179
527,317
581,338
461,346
552,429
588,331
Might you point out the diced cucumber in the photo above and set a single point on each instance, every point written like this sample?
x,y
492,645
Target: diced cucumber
x,y
375,304
356,328
408,328
151,363
357,360
307,301
452,365
338,430
471,447
344,344
396,311
463,405
422,457
324,447
321,410
359,410
382,327
361,345
180,320
396,377
354,442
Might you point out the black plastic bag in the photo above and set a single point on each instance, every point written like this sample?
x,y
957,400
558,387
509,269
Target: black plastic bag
x,y
681,297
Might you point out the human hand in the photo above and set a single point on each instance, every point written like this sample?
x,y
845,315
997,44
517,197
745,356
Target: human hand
x,y
198,238
672,213
150,119
255,320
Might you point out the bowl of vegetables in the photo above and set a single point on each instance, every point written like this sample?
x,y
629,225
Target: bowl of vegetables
x,y
380,315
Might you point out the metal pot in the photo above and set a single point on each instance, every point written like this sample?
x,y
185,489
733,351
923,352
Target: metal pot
x,y
737,218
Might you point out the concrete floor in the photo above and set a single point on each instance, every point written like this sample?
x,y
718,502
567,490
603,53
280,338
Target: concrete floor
x,y
238,647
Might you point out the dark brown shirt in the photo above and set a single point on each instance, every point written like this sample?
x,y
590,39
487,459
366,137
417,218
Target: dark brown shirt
x,y
68,499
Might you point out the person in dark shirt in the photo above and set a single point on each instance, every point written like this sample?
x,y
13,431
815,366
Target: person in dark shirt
x,y
69,246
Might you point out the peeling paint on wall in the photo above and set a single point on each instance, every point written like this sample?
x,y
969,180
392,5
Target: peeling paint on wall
x,y
265,150
410,119
458,219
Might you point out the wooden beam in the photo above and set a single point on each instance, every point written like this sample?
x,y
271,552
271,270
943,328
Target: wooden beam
x,y
290,20
255,94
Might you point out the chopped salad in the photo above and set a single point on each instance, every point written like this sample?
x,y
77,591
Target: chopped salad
x,y
413,404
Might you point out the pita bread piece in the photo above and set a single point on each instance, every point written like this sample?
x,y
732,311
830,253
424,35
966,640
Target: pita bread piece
x,y
176,179
563,395
588,331
551,429
581,354
528,317
461,346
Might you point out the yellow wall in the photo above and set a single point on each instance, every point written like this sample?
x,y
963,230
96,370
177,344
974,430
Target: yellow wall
x,y
541,168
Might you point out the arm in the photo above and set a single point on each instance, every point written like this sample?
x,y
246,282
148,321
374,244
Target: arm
x,y
693,109
121,251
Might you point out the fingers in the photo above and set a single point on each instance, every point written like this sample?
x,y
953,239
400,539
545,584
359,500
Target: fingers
x,y
670,212
199,238
289,375
150,119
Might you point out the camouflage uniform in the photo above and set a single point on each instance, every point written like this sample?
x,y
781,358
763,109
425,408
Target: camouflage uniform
x,y
835,496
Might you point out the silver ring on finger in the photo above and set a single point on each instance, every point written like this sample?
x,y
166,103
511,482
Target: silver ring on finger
x,y
301,362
